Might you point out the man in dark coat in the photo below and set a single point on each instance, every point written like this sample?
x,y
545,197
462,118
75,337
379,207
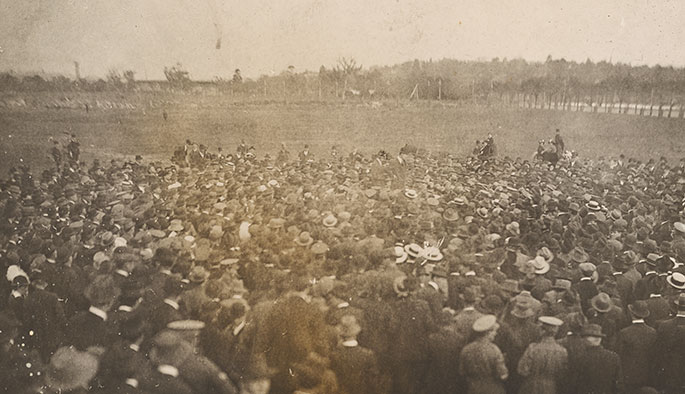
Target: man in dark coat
x,y
599,370
354,365
44,319
635,346
670,348
92,327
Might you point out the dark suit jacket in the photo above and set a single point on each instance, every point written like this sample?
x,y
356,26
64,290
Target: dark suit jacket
x,y
85,330
670,350
599,372
356,369
635,347
586,290
44,317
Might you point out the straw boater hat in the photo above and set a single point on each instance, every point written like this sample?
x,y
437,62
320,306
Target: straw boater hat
x,y
411,193
593,205
330,221
676,280
485,323
413,250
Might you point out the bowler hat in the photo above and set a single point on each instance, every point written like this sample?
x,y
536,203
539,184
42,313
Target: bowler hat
x,y
592,330
639,309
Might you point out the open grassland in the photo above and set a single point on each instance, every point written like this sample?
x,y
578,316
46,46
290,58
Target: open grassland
x,y
104,134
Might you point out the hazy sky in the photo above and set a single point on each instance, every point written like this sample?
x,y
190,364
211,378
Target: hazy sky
x,y
261,36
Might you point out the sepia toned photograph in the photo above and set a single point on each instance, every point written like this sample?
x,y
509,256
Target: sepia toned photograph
x,y
342,197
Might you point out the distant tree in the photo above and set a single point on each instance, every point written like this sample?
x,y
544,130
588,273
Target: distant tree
x,y
113,78
177,76
129,77
8,82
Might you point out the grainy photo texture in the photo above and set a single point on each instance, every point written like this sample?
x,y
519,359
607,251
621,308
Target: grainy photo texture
x,y
342,197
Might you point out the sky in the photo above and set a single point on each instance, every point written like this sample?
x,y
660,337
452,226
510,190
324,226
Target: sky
x,y
266,36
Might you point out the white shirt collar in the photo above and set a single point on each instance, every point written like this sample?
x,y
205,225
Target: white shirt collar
x,y
655,296
350,343
585,278
132,382
167,369
239,328
98,312
134,347
636,321
469,308
171,303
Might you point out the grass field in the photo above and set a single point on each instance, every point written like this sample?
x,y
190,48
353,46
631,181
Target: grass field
x,y
24,132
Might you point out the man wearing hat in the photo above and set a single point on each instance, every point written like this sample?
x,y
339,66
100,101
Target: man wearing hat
x,y
609,316
635,347
517,332
670,351
481,362
544,364
599,370
354,365
586,287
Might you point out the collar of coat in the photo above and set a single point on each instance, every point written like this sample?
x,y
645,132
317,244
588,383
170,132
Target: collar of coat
x,y
98,312
350,343
167,369
132,382
239,328
585,278
171,303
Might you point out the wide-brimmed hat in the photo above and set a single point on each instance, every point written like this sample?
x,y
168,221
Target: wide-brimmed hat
x,y
102,290
592,330
541,266
510,286
169,347
680,227
562,284
304,239
639,309
578,255
482,212
432,253
398,285
70,369
348,327
319,248
276,223
676,280
602,302
450,215
400,254
198,275
523,305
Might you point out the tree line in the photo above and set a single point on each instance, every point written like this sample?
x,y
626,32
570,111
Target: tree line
x,y
555,80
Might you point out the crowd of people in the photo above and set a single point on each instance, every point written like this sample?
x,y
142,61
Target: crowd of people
x,y
416,273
